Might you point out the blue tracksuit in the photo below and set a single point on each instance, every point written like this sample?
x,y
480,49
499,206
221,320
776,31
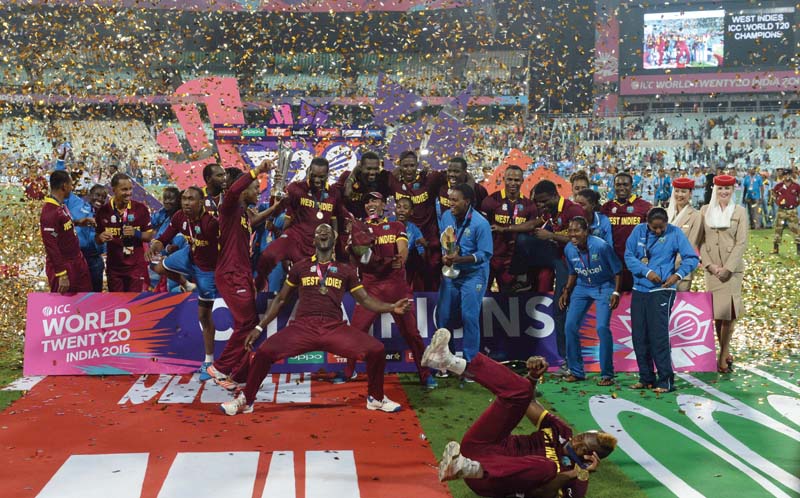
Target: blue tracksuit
x,y
414,234
651,304
596,269
160,221
601,227
92,251
469,287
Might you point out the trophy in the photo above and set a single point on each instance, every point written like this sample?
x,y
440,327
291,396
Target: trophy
x,y
448,240
282,169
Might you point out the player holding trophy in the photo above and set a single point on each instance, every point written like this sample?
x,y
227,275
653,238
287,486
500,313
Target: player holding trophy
x,y
467,246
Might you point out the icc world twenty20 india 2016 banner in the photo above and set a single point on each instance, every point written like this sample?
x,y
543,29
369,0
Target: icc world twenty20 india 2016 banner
x,y
127,333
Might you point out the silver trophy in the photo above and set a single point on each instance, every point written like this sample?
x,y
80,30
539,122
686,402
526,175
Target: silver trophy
x,y
279,175
448,240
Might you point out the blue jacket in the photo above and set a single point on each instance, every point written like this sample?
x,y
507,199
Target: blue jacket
x,y
663,188
414,234
596,268
476,239
160,221
660,253
80,209
601,227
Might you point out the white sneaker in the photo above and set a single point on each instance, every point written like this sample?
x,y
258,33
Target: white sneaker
x,y
455,466
188,287
384,405
236,405
437,355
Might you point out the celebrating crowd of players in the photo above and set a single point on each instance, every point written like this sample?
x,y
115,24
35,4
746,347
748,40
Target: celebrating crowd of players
x,y
449,235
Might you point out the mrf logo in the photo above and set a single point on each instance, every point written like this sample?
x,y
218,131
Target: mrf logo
x,y
310,357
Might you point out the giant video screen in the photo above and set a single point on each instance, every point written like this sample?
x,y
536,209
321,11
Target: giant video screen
x,y
701,37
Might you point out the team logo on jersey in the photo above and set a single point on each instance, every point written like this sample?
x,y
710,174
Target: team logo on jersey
x,y
504,208
197,230
467,232
630,209
113,219
385,227
184,226
130,217
334,269
614,210
416,186
595,257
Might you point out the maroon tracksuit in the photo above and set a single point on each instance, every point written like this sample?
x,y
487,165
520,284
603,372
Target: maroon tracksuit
x,y
307,210
624,217
501,211
318,325
422,192
513,464
126,268
233,275
63,254
388,284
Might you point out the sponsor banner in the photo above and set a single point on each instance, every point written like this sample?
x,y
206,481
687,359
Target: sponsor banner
x,y
128,333
250,134
739,82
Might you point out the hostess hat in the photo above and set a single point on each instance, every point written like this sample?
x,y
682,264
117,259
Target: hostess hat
x,y
683,182
724,181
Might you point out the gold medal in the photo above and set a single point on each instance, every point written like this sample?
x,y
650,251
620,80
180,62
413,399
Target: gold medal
x,y
319,215
645,260
323,290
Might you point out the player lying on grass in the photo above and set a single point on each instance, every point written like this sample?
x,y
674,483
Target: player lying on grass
x,y
495,463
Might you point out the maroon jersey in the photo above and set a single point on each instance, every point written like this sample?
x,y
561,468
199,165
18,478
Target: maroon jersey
x,y
624,217
234,230
787,195
123,252
338,277
558,222
358,196
499,210
309,209
61,243
384,249
211,203
202,236
422,192
444,198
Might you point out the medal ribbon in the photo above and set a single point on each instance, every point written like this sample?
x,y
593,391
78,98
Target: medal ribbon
x,y
586,265
647,246
320,275
464,226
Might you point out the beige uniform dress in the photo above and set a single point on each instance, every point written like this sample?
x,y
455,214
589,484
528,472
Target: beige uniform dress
x,y
725,247
690,222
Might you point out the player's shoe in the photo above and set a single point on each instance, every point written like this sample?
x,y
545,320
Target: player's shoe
x,y
204,375
384,405
236,405
437,355
430,382
456,466
189,287
340,378
221,379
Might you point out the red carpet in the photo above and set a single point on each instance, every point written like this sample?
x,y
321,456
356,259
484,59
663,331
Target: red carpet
x,y
165,436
